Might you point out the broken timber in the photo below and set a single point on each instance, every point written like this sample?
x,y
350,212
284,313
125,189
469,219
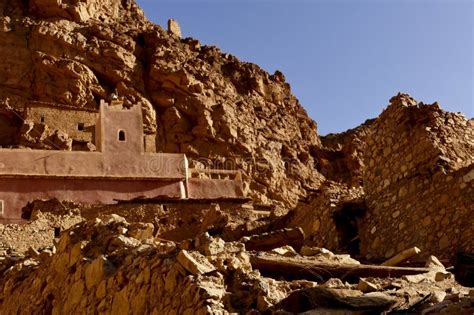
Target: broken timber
x,y
300,268
267,241
402,256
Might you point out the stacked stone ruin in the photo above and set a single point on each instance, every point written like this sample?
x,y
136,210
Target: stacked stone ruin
x,y
413,185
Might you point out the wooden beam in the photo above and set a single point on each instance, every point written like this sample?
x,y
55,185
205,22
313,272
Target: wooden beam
x,y
278,238
402,256
301,268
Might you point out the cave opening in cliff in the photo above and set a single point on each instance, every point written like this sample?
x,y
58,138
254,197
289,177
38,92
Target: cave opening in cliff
x,y
347,225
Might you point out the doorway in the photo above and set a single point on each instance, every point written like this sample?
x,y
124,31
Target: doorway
x,y
347,226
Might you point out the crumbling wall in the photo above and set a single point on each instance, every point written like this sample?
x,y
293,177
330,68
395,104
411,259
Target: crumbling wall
x,y
196,99
418,181
39,233
316,215
102,269
111,266
174,221
340,156
116,267
40,136
434,214
78,124
412,166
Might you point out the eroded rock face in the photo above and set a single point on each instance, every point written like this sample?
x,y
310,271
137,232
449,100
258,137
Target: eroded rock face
x,y
84,10
196,99
340,157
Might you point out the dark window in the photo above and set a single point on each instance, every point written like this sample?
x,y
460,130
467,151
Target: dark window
x,y
121,135
80,126
42,119
1,206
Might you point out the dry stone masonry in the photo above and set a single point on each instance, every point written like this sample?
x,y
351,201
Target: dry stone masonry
x,y
112,266
412,185
419,181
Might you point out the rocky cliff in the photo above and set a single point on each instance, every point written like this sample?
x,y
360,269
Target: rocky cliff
x,y
196,99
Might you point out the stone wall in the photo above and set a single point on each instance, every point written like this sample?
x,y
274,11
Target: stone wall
x,y
434,214
78,124
404,179
102,269
418,181
316,216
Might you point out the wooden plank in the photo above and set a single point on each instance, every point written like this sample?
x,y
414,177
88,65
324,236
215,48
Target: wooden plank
x,y
402,256
267,241
300,268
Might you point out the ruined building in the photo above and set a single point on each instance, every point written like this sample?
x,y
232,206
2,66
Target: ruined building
x,y
120,169
403,179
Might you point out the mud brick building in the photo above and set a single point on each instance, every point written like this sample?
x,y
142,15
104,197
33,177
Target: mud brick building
x,y
120,169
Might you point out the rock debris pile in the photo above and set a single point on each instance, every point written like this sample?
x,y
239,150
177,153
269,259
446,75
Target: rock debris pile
x,y
111,266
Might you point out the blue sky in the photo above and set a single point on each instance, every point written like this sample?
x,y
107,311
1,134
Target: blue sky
x,y
343,58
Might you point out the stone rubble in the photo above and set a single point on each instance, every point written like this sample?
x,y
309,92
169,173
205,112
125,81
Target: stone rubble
x,y
195,98
412,186
99,266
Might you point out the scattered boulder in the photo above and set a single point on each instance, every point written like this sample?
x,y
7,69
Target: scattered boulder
x,y
366,286
286,250
195,263
433,263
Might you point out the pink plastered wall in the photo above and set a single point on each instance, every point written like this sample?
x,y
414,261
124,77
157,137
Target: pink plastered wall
x,y
114,159
214,188
17,192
